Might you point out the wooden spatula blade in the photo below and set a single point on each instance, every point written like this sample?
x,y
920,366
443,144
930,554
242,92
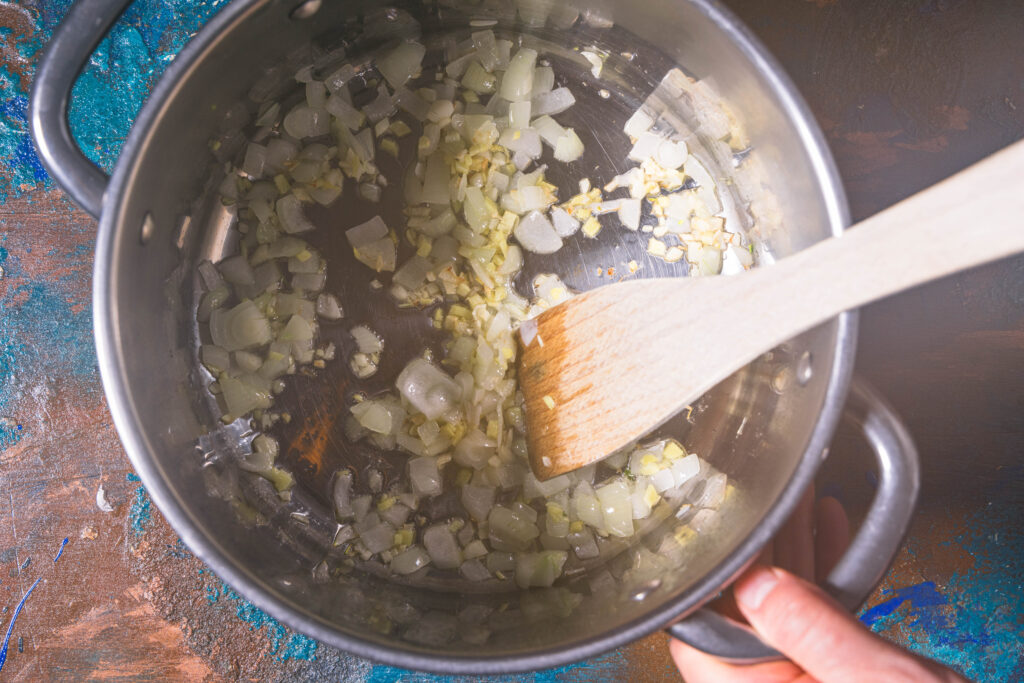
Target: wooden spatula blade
x,y
581,406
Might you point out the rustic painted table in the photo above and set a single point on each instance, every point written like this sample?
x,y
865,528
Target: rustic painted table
x,y
95,585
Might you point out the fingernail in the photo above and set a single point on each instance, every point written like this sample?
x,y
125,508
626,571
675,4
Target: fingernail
x,y
755,586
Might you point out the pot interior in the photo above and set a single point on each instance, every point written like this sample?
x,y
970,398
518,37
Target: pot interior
x,y
165,216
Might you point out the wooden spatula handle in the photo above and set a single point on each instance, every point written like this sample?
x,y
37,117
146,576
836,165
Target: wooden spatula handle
x,y
974,217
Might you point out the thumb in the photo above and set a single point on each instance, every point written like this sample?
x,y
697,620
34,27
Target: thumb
x,y
816,633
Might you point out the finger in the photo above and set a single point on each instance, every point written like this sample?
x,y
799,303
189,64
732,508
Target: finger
x,y
832,536
699,667
816,633
794,544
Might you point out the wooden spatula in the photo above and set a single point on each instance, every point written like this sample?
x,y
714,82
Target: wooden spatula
x,y
604,368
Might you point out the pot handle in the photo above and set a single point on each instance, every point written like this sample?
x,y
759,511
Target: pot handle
x,y
869,555
84,26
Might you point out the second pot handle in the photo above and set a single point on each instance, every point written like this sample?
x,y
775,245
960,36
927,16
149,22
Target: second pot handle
x,y
82,29
869,555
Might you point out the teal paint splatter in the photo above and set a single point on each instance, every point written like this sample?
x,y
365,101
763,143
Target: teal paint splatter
x,y
141,511
178,550
610,667
973,622
110,90
10,433
285,645
100,123
16,152
38,331
39,326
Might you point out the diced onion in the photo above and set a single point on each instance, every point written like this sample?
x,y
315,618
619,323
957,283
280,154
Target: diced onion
x,y
569,147
374,416
617,508
553,102
638,124
408,101
517,84
511,530
477,211
316,94
343,495
475,450
279,153
440,543
536,234
428,389
424,477
237,271
215,358
402,63
564,224
549,129
339,79
242,397
381,107
525,141
242,327
255,160
327,306
543,81
293,218
646,147
378,538
305,122
519,114
671,154
474,570
409,560
367,233
539,569
367,340
629,213
478,500
345,113
478,79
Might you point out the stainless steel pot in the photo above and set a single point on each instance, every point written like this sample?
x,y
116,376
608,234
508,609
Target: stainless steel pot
x,y
767,427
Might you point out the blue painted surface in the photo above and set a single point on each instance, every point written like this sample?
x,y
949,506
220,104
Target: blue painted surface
x,y
918,606
609,667
127,62
140,513
974,621
41,333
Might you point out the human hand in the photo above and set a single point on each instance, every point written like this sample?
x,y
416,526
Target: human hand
x,y
820,638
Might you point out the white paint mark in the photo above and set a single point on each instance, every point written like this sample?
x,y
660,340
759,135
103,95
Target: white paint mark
x,y
101,500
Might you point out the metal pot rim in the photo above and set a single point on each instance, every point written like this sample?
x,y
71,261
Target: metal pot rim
x,y
207,549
